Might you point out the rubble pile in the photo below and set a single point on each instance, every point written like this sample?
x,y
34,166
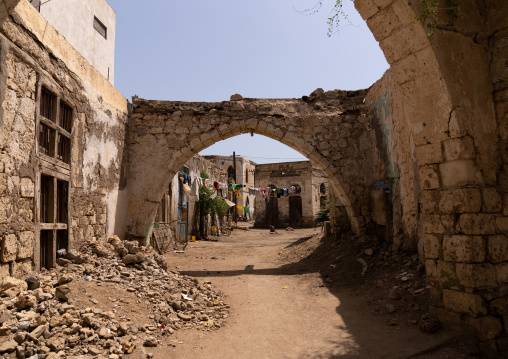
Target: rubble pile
x,y
38,318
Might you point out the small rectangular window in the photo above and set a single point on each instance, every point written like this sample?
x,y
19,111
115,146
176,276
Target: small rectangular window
x,y
47,199
100,27
61,198
47,249
65,116
48,101
46,140
64,149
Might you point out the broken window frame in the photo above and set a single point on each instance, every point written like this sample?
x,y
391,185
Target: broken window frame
x,y
54,121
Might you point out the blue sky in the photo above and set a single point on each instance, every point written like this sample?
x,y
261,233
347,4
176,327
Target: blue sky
x,y
202,50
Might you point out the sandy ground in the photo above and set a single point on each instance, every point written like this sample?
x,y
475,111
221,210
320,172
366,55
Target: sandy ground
x,y
286,310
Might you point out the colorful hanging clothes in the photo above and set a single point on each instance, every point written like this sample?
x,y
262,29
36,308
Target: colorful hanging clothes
x,y
246,210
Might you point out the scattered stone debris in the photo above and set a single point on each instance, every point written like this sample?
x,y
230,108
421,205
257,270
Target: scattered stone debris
x,y
39,320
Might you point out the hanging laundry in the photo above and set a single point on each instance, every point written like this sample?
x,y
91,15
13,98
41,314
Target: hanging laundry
x,y
240,208
246,210
207,183
198,182
216,185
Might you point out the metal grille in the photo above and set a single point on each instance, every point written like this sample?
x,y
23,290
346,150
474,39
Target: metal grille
x,y
47,104
65,117
100,27
64,149
46,140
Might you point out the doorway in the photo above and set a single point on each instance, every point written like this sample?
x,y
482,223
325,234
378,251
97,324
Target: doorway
x,y
295,211
183,205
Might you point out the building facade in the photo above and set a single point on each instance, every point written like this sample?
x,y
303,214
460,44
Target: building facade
x,y
181,210
294,209
89,26
245,175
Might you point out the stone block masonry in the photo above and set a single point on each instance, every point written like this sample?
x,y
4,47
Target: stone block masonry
x,y
62,132
330,128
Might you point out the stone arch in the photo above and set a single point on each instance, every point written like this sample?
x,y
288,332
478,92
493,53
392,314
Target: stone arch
x,y
164,135
441,92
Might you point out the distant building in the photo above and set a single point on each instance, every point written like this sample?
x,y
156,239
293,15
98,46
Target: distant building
x,y
181,210
89,26
245,171
295,210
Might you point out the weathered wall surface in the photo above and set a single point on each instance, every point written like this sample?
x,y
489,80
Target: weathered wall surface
x,y
244,175
34,55
287,174
329,128
449,91
196,165
68,15
394,193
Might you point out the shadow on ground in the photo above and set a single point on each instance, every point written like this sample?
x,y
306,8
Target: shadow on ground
x,y
342,275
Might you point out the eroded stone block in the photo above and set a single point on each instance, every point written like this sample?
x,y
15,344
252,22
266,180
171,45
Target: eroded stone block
x,y
497,248
476,276
499,306
502,273
457,173
9,248
461,148
476,223
460,200
502,224
429,177
491,200
429,154
469,249
432,246
461,302
25,245
438,224
488,327
440,271
27,188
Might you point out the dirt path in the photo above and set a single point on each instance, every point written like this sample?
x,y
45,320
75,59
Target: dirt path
x,y
278,312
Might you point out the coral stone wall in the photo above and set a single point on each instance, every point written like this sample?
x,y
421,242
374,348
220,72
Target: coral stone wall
x,y
34,55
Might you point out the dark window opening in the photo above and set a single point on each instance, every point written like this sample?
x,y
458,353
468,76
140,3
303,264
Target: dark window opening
x,y
47,104
246,175
46,140
64,149
65,117
62,241
47,249
47,199
322,188
62,201
231,172
100,27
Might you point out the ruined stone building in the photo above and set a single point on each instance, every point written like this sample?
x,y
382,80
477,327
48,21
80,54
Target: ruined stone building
x,y
245,174
293,209
179,209
420,156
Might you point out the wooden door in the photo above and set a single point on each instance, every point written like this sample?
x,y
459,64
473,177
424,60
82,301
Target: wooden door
x,y
272,212
295,211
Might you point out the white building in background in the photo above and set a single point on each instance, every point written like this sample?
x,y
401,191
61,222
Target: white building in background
x,y
88,25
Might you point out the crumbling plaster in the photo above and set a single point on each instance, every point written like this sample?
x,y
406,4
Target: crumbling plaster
x,y
34,54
